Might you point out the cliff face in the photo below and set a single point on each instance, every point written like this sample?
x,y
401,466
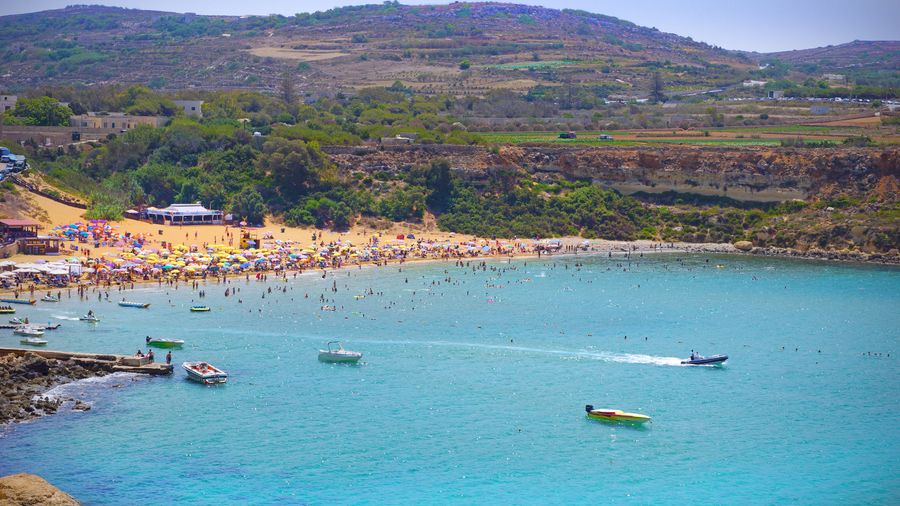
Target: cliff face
x,y
748,174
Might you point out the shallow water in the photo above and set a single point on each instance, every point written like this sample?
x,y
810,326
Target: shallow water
x,y
473,391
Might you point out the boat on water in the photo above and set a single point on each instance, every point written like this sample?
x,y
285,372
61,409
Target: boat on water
x,y
142,305
90,317
49,298
33,341
19,301
165,343
698,359
205,373
199,309
337,354
615,415
329,308
7,310
29,330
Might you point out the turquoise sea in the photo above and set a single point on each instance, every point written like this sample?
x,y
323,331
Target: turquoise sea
x,y
474,385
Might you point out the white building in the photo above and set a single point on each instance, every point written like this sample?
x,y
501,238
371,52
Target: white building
x,y
192,108
184,214
750,83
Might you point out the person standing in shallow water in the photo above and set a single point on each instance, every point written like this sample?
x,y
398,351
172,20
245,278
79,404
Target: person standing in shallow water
x,y
168,358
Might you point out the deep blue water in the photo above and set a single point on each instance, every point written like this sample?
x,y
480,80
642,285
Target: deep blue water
x,y
473,390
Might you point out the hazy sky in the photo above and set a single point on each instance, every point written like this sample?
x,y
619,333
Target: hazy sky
x,y
757,25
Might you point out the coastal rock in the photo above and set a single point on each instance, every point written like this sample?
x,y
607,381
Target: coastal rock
x,y
29,489
744,245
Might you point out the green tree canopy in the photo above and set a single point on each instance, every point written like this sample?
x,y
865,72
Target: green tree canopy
x,y
42,111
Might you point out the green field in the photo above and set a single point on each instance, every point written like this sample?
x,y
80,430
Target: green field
x,y
532,65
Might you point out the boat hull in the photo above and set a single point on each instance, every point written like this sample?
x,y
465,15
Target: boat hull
x,y
715,359
166,344
199,309
33,342
615,415
339,358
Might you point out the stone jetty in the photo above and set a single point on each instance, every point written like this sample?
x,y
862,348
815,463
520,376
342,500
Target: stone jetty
x,y
26,375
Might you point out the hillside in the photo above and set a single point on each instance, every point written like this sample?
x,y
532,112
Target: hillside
x,y
883,54
508,46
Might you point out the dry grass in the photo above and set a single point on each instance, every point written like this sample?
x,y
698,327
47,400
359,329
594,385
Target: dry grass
x,y
296,54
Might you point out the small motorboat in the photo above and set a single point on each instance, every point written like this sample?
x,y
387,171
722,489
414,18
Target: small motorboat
x,y
29,330
34,341
89,318
615,415
19,301
698,359
49,298
199,309
204,372
337,354
7,310
165,343
125,303
18,321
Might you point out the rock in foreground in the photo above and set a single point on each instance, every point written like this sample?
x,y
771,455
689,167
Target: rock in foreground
x,y
29,489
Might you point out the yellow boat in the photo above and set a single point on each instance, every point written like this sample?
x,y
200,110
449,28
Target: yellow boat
x,y
199,309
615,415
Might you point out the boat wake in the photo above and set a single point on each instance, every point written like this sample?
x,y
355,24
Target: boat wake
x,y
64,317
604,356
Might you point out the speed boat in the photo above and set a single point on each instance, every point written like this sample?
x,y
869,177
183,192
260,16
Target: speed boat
x,y
203,372
89,318
125,303
29,330
337,354
165,343
698,359
49,298
199,309
34,341
615,415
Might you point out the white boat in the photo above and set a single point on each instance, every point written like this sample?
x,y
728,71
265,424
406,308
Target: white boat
x,y
34,341
29,330
49,298
204,372
338,354
89,318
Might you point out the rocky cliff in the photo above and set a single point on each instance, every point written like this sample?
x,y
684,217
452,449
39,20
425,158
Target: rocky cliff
x,y
746,174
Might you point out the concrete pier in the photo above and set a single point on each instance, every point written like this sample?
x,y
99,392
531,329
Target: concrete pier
x,y
120,363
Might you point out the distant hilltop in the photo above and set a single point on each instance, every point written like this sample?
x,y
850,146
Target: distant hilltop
x,y
459,49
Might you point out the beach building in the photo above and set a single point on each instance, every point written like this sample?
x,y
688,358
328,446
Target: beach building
x,y
15,229
40,245
184,214
191,108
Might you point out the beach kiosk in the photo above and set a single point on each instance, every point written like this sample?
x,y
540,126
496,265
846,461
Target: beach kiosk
x,y
184,214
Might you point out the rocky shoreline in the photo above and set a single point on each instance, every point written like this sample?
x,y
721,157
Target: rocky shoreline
x,y
30,489
25,380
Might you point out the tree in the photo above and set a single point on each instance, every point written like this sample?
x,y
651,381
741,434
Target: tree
x,y
465,65
295,166
656,88
249,205
42,111
441,185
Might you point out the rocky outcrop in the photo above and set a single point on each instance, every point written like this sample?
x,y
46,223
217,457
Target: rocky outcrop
x,y
749,174
32,490
25,378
